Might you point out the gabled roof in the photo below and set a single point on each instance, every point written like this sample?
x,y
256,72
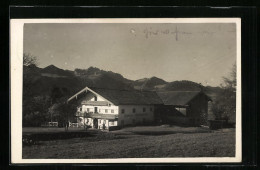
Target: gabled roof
x,y
123,97
179,98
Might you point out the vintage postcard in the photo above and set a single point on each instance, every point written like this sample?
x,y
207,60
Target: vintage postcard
x,y
164,90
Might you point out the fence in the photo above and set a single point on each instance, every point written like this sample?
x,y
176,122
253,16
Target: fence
x,y
74,125
50,124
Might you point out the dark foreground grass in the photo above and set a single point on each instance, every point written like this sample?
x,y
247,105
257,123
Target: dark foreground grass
x,y
139,142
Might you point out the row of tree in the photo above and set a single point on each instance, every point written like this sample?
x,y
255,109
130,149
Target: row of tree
x,y
224,106
51,108
48,108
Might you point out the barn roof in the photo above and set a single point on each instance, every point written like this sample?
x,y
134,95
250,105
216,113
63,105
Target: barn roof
x,y
121,97
178,98
129,96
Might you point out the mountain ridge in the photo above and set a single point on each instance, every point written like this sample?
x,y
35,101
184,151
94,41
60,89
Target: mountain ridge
x,y
42,80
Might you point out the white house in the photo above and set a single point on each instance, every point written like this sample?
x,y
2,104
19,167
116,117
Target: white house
x,y
110,108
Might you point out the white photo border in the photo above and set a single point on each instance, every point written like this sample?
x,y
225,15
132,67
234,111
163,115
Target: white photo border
x,y
16,70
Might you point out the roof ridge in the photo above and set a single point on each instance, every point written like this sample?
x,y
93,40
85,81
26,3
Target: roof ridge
x,y
108,88
178,91
123,96
131,90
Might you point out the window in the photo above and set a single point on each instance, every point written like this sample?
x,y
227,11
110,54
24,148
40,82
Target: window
x,y
87,109
112,123
105,110
112,110
133,110
182,110
95,109
123,111
144,109
80,109
95,98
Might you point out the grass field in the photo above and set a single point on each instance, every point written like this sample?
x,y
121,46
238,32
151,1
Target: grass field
x,y
136,142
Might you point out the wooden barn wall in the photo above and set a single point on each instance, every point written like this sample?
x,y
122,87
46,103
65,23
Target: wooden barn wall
x,y
198,110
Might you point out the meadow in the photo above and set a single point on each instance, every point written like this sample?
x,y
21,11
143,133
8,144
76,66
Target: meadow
x,y
132,142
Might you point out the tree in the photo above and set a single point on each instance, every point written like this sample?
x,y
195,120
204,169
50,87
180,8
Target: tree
x,y
63,112
231,81
33,106
35,110
60,110
224,106
56,94
30,71
29,59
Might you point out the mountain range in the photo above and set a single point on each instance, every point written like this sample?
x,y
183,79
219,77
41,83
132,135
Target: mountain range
x,y
40,81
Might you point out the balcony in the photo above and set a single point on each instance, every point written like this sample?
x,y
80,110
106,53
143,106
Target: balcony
x,y
97,115
95,103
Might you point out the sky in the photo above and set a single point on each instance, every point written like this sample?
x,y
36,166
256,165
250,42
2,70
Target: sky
x,y
199,52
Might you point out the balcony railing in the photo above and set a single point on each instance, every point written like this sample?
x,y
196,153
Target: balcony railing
x,y
95,103
96,115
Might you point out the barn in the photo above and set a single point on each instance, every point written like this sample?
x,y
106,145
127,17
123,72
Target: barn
x,y
184,107
110,108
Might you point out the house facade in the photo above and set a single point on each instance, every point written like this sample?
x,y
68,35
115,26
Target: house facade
x,y
109,108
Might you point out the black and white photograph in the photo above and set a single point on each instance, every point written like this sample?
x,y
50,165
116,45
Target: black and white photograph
x,y
126,90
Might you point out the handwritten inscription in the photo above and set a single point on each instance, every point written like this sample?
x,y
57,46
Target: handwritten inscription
x,y
150,32
176,33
